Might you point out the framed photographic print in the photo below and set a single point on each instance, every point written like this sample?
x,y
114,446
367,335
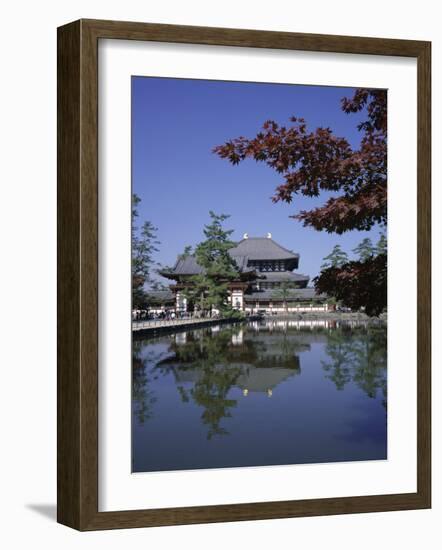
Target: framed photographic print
x,y
243,275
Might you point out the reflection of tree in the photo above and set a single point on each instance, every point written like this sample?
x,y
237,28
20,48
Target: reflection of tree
x,y
338,350
358,355
208,355
210,392
370,371
143,398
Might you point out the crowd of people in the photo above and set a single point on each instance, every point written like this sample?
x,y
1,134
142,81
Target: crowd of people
x,y
169,315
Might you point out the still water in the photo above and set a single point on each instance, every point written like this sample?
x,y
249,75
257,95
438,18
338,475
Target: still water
x,y
263,393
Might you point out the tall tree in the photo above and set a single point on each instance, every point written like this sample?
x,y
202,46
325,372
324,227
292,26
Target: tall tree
x,y
336,258
210,289
364,250
311,162
285,292
144,246
357,284
186,252
381,245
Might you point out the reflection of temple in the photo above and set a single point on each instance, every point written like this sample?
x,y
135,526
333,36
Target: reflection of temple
x,y
255,366
265,268
251,379
264,379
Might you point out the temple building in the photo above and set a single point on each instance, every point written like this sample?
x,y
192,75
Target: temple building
x,y
267,279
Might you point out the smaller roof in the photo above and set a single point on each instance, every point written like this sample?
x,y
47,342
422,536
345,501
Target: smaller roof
x,y
279,276
298,294
187,265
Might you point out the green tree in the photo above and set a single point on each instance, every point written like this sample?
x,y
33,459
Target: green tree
x,y
381,245
357,284
187,252
285,292
364,250
336,258
210,288
144,246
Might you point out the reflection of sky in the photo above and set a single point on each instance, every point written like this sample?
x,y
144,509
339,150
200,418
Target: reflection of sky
x,y
176,123
304,419
362,426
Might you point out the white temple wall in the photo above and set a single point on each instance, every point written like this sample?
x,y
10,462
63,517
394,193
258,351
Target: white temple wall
x,y
276,309
181,302
238,299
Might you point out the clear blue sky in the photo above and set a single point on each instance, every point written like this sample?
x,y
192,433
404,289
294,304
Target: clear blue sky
x,y
175,125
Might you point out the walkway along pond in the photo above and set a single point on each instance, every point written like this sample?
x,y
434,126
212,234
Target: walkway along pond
x,y
156,326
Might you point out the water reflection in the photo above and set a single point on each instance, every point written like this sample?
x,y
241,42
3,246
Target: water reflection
x,y
143,396
213,362
358,355
207,384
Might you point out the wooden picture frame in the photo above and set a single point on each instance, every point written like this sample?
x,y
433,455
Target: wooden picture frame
x,y
78,274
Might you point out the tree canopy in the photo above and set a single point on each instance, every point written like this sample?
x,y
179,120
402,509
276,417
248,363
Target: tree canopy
x,y
357,284
209,289
364,250
286,291
381,245
144,246
336,258
313,162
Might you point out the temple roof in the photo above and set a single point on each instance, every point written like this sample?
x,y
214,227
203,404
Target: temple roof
x,y
247,250
262,248
279,276
188,265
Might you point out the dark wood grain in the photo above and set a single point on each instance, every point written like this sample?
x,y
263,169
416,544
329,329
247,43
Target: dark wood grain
x,y
424,274
252,38
68,277
78,274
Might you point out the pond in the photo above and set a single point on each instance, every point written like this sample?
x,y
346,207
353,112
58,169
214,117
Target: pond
x,y
258,394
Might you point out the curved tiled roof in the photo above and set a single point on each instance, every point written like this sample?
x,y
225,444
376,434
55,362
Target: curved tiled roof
x,y
279,276
248,250
262,248
187,265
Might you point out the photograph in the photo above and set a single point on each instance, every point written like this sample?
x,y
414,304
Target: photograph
x,y
259,274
